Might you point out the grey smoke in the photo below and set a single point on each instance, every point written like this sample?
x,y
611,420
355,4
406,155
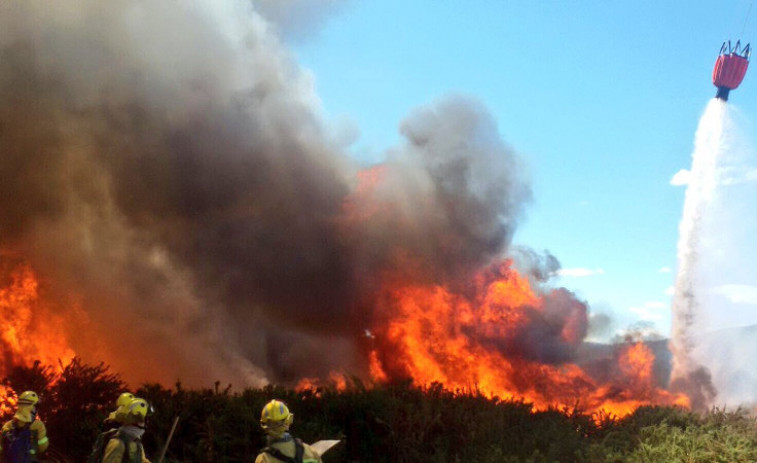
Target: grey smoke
x,y
166,173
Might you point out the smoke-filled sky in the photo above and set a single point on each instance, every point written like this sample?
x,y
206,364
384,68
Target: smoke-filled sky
x,y
602,99
168,175
231,186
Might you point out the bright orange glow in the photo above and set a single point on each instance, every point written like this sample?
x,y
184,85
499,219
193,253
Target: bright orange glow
x,y
31,330
375,368
7,400
336,380
432,334
636,362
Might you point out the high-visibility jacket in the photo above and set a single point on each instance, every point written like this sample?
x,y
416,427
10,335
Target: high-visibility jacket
x,y
118,451
286,446
39,441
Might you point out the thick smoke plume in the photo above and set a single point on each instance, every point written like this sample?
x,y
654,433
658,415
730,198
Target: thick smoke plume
x,y
166,174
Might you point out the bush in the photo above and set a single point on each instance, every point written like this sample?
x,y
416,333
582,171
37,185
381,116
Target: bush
x,y
395,422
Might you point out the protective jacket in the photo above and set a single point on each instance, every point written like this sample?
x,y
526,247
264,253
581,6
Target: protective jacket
x,y
284,450
35,436
123,448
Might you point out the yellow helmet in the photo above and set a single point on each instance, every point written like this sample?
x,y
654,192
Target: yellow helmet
x,y
28,398
135,412
124,399
276,417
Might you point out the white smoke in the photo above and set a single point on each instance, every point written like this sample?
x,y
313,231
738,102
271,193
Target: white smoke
x,y
716,264
297,20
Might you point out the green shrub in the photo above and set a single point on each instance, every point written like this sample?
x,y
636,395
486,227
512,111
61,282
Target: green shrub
x,y
396,422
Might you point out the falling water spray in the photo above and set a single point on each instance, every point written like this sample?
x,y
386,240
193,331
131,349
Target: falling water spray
x,y
688,375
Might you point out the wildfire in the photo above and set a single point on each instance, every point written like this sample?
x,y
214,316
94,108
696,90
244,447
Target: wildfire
x,y
489,336
336,380
493,341
495,333
28,332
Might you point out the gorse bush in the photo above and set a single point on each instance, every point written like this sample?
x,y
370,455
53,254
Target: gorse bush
x,y
396,422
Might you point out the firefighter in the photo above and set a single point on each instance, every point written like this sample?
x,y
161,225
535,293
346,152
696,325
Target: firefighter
x,y
275,420
114,419
24,437
125,445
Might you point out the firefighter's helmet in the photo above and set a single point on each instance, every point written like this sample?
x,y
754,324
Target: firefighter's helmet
x,y
124,399
28,398
275,416
135,412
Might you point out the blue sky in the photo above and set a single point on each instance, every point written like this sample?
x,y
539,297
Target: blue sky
x,y
601,100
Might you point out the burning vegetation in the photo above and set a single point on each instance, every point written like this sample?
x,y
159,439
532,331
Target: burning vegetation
x,y
29,333
503,340
169,192
498,338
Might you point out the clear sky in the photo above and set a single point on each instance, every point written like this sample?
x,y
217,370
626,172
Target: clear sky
x,y
600,98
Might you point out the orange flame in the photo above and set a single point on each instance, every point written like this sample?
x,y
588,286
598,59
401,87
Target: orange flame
x,y
431,334
496,333
336,380
30,330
